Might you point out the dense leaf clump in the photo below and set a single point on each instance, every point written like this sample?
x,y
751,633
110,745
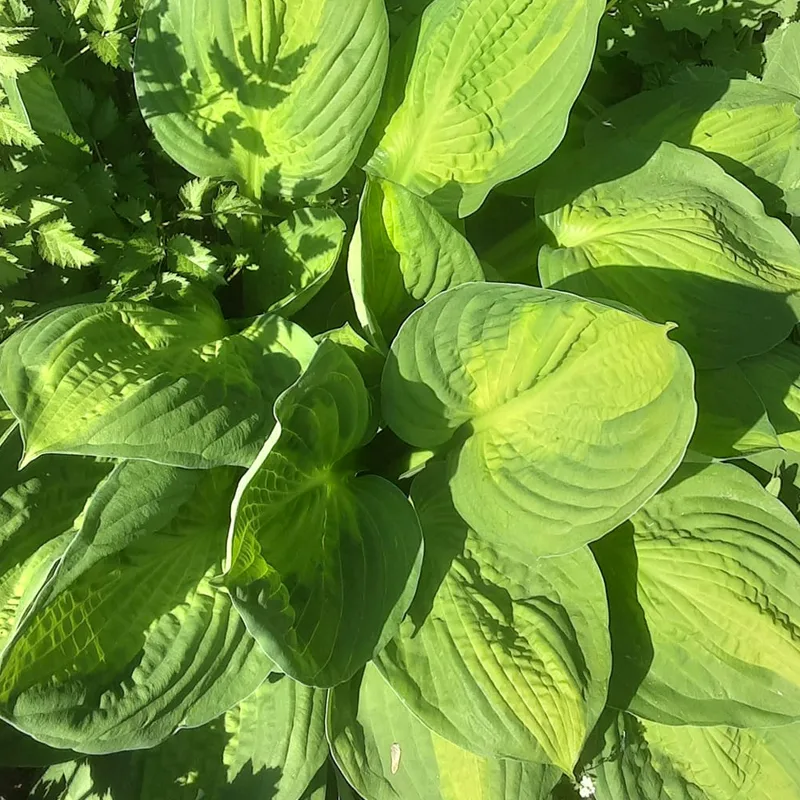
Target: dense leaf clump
x,y
399,399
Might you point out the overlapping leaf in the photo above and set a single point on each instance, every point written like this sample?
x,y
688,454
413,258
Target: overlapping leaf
x,y
709,566
38,506
649,761
387,754
275,95
560,416
130,638
322,564
504,654
131,381
670,234
272,744
296,260
403,253
479,93
750,129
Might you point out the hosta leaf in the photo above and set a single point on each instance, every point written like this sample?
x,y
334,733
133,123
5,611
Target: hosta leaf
x,y
60,245
560,416
322,565
649,761
369,361
731,418
271,745
673,236
296,260
504,654
130,381
709,565
480,93
130,639
388,754
775,377
275,95
38,506
403,253
751,130
782,49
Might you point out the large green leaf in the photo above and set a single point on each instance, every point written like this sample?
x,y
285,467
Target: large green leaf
x,y
480,92
775,377
130,638
671,234
388,754
710,566
751,130
502,653
130,381
560,416
322,564
648,761
38,506
296,260
403,253
269,747
782,49
275,95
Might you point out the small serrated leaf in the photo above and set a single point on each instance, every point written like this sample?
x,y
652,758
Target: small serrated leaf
x,y
113,49
15,131
191,194
187,256
104,14
8,218
10,270
59,245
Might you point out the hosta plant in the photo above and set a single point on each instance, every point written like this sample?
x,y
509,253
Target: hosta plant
x,y
399,400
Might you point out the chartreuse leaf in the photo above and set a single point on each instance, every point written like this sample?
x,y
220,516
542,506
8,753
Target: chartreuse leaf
x,y
322,565
38,506
296,260
648,761
732,420
480,93
130,381
716,558
130,638
775,377
749,129
782,49
403,253
61,246
502,653
386,753
275,95
670,234
368,359
560,416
